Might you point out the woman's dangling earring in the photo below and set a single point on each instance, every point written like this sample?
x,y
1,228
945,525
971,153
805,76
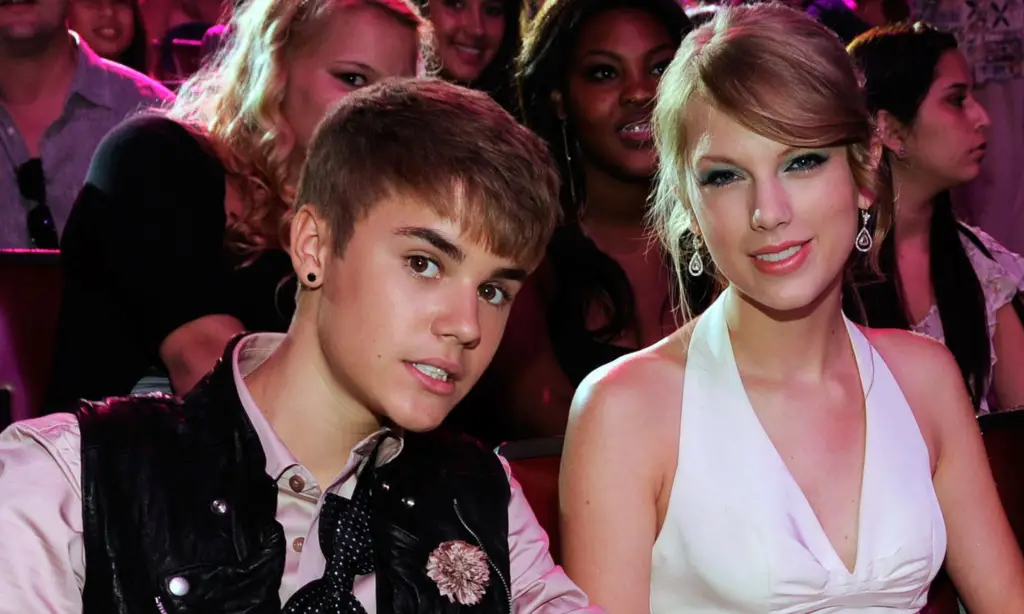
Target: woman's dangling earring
x,y
696,267
864,241
581,207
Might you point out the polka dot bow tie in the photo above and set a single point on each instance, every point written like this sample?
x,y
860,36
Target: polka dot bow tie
x,y
348,548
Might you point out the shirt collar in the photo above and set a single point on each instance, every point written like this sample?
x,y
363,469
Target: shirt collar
x,y
249,354
91,78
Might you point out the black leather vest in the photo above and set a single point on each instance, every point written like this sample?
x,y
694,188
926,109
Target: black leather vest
x,y
175,495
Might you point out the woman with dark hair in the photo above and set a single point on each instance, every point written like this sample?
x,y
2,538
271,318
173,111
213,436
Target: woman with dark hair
x,y
587,79
477,42
940,277
113,29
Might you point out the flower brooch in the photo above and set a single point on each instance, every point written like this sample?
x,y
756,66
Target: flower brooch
x,y
460,570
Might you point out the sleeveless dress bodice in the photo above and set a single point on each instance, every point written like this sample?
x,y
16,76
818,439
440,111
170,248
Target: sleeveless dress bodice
x,y
739,535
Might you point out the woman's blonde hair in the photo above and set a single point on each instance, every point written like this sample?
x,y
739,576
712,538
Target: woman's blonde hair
x,y
778,73
235,103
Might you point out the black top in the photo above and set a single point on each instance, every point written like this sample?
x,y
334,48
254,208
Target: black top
x,y
144,253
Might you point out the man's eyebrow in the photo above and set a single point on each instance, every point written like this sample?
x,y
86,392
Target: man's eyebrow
x,y
434,238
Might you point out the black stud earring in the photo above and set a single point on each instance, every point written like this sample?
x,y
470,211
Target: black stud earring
x,y
311,277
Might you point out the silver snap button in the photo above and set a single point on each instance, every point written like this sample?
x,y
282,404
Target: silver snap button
x,y
178,586
408,501
219,506
385,486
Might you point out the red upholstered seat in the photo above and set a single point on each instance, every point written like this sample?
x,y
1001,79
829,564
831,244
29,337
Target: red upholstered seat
x,y
1003,433
535,464
30,286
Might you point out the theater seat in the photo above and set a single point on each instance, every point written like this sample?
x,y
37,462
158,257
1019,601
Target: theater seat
x,y
30,286
942,598
535,464
1003,433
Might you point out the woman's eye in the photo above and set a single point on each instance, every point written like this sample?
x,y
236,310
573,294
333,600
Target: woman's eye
x,y
423,266
718,178
353,79
600,73
807,162
495,295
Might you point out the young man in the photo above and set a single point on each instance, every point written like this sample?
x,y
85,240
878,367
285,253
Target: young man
x,y
302,470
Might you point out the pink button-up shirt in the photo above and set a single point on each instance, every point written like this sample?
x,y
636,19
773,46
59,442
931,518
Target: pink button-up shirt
x,y
42,556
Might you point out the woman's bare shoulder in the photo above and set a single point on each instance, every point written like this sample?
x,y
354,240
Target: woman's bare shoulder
x,y
646,384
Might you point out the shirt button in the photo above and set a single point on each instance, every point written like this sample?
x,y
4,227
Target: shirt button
x,y
297,543
297,483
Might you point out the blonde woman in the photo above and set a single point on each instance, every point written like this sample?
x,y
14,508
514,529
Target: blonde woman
x,y
771,455
175,243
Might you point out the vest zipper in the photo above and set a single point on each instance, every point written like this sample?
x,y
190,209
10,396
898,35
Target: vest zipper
x,y
160,606
497,572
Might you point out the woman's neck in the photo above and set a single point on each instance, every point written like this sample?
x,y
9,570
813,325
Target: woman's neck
x,y
615,209
763,340
613,201
315,418
913,203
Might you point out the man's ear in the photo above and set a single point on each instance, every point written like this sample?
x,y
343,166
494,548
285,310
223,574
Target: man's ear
x,y
309,246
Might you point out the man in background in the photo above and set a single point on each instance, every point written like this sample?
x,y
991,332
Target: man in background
x,y
58,99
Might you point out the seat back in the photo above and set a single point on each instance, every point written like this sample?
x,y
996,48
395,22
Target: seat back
x,y
1003,433
30,288
535,464
942,597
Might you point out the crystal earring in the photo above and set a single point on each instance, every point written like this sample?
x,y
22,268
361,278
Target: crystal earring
x,y
864,241
696,267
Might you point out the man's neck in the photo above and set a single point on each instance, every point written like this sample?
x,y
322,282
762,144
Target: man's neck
x,y
45,74
318,421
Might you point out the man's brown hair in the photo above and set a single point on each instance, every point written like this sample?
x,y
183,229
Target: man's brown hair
x,y
450,148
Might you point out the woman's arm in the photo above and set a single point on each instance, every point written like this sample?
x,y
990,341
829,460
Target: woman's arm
x,y
982,555
191,350
617,469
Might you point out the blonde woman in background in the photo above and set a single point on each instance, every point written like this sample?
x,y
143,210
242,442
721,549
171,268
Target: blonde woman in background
x,y
175,243
771,455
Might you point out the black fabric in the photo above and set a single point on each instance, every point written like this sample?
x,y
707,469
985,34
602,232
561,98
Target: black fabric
x,y
458,491
151,469
347,545
143,253
158,472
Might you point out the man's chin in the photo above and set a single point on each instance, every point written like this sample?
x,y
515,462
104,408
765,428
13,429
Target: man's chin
x,y
420,418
